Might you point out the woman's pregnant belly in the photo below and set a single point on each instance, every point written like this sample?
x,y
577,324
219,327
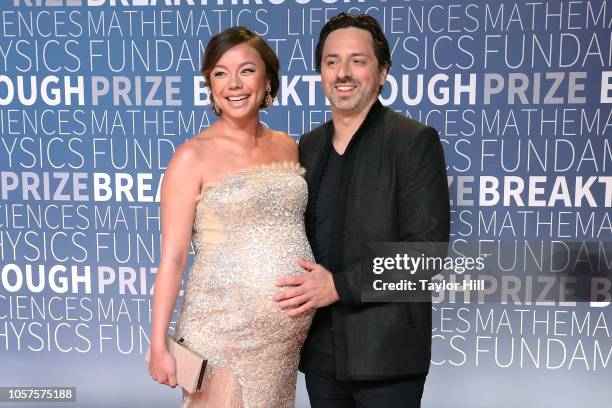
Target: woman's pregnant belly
x,y
238,281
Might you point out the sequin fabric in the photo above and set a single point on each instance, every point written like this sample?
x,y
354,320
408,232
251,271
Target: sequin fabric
x,y
248,231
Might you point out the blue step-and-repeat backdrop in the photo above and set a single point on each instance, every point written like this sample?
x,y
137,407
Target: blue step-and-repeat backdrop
x,y
95,96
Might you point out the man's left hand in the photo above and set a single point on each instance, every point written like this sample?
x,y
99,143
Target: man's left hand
x,y
311,290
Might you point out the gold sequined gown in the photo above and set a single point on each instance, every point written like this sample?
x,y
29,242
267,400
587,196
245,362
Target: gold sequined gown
x,y
248,231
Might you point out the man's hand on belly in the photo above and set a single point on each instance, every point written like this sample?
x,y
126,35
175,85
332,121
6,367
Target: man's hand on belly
x,y
309,291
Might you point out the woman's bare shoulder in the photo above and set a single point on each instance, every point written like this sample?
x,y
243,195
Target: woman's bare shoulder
x,y
203,145
192,155
285,144
282,137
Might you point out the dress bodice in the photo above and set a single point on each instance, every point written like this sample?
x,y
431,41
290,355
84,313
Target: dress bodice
x,y
264,199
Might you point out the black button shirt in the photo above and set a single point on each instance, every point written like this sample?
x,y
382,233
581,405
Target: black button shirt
x,y
321,337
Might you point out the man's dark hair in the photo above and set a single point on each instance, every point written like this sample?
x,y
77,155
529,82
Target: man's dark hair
x,y
363,21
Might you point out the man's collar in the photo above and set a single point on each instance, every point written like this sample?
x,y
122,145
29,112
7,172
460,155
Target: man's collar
x,y
370,119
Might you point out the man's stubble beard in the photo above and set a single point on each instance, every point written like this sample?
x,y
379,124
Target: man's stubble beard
x,y
355,103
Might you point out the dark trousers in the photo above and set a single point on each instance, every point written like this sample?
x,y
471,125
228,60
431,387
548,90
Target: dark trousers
x,y
325,391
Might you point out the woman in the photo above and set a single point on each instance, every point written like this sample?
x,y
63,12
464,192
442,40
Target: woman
x,y
237,191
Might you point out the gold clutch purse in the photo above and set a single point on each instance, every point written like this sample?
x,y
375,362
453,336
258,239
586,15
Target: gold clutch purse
x,y
190,365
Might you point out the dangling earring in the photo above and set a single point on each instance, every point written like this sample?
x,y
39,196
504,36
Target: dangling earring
x,y
216,107
268,101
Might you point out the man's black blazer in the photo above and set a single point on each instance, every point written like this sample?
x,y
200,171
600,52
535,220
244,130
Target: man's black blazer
x,y
393,187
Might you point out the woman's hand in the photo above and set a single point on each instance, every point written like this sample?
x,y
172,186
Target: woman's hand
x,y
162,367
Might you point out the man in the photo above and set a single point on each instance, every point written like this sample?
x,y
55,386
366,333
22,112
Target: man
x,y
373,176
